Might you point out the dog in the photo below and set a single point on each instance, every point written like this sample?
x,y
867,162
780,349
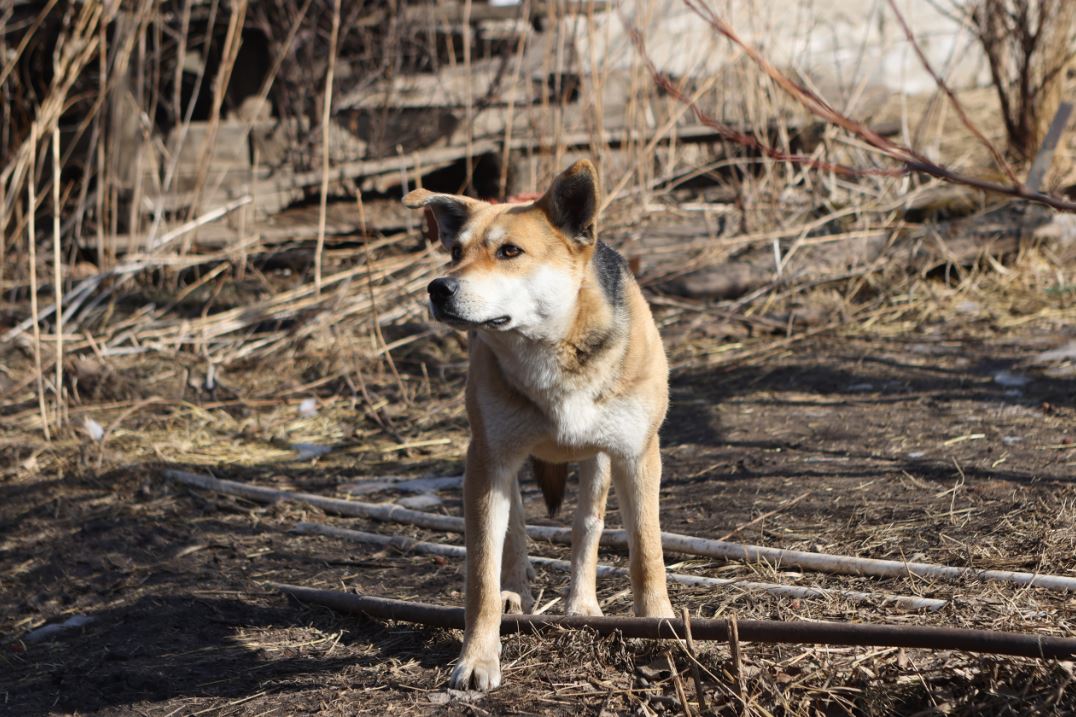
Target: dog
x,y
566,366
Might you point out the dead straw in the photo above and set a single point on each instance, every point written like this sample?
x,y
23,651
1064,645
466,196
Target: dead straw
x,y
31,201
738,679
232,41
326,118
678,684
689,643
57,275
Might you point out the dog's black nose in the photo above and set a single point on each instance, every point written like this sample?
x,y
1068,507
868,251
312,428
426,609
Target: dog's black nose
x,y
441,290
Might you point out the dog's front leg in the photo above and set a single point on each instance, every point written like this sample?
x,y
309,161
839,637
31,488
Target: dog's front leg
x,y
637,480
487,499
586,534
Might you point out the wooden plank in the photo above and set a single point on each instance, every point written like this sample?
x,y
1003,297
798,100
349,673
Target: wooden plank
x,y
480,12
1045,156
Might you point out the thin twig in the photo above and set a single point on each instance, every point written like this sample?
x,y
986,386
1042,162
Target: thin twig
x,y
31,201
28,35
32,240
187,227
230,52
739,682
689,640
326,117
57,275
678,684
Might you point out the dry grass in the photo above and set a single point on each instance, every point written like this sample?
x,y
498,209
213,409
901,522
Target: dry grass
x,y
224,355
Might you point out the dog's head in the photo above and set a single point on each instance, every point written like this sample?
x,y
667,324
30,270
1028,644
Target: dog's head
x,y
514,267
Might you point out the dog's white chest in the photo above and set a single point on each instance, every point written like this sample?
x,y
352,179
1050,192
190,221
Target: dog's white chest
x,y
618,425
577,413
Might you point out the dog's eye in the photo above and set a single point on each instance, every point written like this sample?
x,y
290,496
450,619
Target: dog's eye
x,y
457,252
509,251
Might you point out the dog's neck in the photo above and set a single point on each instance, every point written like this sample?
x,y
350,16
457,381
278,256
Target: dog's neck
x,y
537,366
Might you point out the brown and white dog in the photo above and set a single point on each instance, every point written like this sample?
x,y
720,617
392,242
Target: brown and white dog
x,y
566,365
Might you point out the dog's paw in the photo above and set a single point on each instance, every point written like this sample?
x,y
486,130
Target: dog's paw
x,y
512,602
479,672
588,607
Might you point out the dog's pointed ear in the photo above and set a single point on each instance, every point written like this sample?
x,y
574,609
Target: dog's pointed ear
x,y
572,202
446,214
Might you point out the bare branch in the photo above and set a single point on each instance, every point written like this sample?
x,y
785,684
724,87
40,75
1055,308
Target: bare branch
x,y
912,160
940,82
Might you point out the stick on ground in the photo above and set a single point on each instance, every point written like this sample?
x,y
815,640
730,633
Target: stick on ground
x,y
402,542
671,542
993,642
689,640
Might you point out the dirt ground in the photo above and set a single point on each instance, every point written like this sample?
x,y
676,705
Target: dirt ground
x,y
943,442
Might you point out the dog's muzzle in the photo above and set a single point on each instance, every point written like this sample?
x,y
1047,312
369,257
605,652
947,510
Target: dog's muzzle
x,y
442,290
443,303
443,293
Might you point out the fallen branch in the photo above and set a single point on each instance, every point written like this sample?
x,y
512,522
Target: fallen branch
x,y
420,547
671,542
765,631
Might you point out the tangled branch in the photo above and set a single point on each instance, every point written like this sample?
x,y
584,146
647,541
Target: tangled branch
x,y
912,161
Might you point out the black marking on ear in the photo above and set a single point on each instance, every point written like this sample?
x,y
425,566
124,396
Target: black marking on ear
x,y
611,269
573,202
451,216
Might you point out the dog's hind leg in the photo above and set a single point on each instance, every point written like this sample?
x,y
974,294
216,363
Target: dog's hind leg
x,y
638,482
586,532
516,570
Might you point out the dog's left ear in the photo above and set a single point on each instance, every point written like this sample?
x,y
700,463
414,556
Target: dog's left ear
x,y
572,202
446,214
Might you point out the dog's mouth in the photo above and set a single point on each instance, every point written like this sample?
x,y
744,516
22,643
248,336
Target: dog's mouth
x,y
453,319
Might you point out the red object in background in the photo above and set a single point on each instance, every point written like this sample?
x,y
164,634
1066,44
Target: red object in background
x,y
521,198
524,197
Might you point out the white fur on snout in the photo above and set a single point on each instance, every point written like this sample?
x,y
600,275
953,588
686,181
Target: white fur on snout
x,y
541,305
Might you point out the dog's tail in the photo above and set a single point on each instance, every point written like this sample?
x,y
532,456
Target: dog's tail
x,y
551,478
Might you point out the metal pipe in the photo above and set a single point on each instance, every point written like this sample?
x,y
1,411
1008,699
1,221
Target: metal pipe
x,y
767,631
